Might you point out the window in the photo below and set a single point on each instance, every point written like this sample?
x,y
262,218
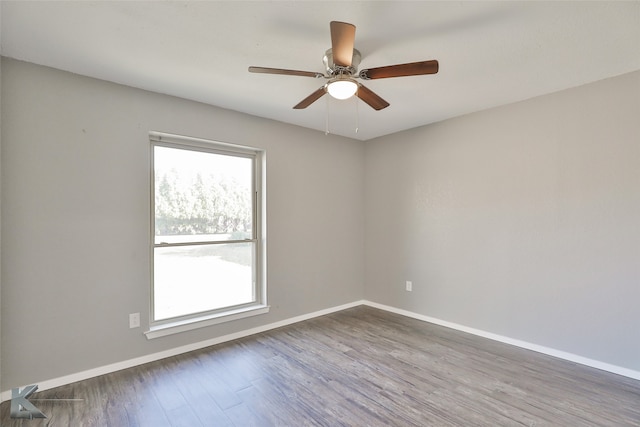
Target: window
x,y
207,244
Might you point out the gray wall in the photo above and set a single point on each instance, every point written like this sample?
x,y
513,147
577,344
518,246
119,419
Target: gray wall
x,y
1,389
522,221
75,218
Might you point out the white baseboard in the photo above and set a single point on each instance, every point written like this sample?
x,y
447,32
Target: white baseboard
x,y
518,343
90,373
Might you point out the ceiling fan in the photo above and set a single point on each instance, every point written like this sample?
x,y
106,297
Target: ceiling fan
x,y
341,62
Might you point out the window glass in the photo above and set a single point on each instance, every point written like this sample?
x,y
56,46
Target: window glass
x,y
205,242
201,196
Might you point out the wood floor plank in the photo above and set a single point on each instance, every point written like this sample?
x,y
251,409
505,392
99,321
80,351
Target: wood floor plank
x,y
358,367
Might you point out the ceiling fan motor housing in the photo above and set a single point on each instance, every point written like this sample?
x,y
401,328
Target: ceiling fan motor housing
x,y
334,70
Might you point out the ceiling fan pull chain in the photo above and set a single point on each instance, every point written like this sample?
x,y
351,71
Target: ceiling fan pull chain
x,y
357,114
326,117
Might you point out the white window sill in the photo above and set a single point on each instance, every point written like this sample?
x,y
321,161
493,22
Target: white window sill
x,y
165,329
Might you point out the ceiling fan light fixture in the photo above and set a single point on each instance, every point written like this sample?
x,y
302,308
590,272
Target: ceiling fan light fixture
x,y
342,88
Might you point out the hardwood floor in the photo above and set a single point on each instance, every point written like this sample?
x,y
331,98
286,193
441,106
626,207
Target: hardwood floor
x,y
358,367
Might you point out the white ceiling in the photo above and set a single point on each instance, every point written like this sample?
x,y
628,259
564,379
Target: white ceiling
x,y
490,53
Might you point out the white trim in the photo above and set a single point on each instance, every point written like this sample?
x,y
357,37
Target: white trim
x,y
163,327
173,140
515,342
68,379
171,328
90,373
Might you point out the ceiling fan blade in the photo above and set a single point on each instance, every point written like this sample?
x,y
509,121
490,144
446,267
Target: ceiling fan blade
x,y
370,97
310,99
400,70
267,70
342,38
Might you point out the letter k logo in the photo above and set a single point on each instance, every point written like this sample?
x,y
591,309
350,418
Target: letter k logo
x,y
21,407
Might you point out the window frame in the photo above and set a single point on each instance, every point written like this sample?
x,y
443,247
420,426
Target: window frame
x,y
259,305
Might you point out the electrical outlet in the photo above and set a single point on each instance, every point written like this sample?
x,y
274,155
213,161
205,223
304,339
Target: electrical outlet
x,y
134,320
409,286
